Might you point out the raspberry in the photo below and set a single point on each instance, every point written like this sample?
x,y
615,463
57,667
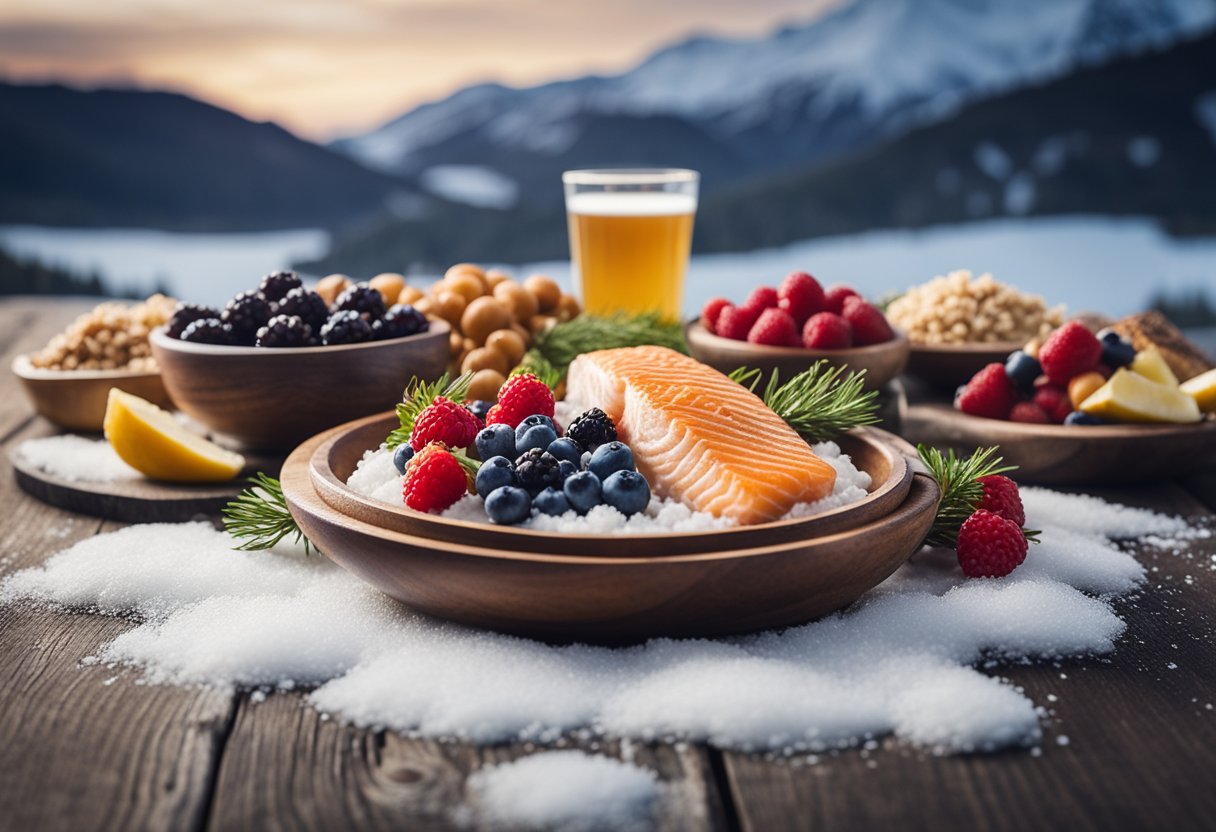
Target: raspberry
x,y
444,421
775,328
1001,497
1054,401
1071,350
434,480
494,416
522,396
710,312
834,298
827,331
801,296
989,546
761,298
1030,413
990,393
736,321
869,324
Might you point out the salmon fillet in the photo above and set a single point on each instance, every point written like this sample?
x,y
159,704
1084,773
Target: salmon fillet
x,y
699,437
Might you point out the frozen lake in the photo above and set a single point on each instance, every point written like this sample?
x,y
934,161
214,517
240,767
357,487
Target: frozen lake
x,y
1095,263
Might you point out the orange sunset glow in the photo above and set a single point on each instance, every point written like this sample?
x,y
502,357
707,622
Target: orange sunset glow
x,y
327,67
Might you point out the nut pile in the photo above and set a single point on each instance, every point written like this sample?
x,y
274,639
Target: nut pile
x,y
112,336
493,317
956,309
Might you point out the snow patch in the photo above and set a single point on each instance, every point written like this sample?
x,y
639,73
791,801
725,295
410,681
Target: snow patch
x,y
475,185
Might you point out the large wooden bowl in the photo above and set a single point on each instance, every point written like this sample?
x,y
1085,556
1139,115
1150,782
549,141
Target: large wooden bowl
x,y
275,398
1072,454
883,456
76,399
882,362
946,366
614,599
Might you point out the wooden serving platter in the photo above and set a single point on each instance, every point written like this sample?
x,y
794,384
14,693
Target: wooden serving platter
x,y
563,597
335,454
134,500
1071,455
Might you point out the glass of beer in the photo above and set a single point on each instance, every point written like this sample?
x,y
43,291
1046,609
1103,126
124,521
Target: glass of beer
x,y
630,233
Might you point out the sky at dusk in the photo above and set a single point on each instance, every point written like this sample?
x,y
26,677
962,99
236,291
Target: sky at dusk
x,y
328,67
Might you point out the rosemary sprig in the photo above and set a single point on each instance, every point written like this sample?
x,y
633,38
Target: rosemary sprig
x,y
587,333
961,489
259,516
419,395
820,403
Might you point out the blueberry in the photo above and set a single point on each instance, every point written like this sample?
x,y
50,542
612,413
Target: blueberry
x,y
531,422
494,473
566,469
508,505
1022,370
1117,353
627,492
1079,418
551,502
566,448
537,436
496,440
480,408
584,460
610,458
402,456
583,491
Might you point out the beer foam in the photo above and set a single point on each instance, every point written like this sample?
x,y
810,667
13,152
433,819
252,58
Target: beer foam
x,y
630,204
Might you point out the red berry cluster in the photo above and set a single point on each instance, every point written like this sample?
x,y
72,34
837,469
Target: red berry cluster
x,y
522,396
799,313
991,542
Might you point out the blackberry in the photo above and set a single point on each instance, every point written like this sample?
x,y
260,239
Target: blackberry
x,y
537,470
276,285
362,299
308,305
285,331
208,331
186,314
591,429
346,327
246,314
399,321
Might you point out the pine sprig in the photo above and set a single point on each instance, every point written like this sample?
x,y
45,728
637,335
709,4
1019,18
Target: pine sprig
x,y
587,333
535,363
419,395
961,489
820,403
259,516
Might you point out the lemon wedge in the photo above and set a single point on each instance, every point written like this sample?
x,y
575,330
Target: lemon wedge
x,y
152,442
1202,388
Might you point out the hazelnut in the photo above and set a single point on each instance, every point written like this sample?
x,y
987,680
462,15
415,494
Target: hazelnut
x,y
568,308
485,385
410,294
469,269
331,286
389,285
494,277
509,343
449,306
518,300
484,358
468,285
483,316
545,290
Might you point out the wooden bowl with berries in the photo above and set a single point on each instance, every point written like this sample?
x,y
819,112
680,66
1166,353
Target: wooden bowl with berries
x,y
790,328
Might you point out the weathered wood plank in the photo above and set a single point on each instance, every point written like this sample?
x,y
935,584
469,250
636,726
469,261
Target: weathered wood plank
x,y
315,773
1140,733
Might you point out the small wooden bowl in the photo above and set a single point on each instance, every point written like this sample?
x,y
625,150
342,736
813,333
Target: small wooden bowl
x,y
883,456
613,599
274,398
947,366
882,362
76,399
1071,454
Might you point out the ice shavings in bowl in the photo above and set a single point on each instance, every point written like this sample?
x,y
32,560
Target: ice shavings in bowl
x,y
900,662
376,477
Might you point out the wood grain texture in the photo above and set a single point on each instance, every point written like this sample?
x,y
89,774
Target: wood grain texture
x,y
76,399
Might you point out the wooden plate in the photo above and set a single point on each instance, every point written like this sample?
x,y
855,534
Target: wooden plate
x,y
949,365
620,599
1065,454
336,452
882,362
76,399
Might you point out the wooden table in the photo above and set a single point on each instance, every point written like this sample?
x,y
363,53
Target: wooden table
x,y
79,752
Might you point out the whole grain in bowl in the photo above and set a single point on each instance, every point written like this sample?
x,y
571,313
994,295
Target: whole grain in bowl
x,y
959,309
111,336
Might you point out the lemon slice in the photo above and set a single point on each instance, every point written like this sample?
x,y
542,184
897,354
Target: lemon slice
x,y
152,442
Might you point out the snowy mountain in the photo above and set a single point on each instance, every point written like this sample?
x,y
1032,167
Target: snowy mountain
x,y
743,106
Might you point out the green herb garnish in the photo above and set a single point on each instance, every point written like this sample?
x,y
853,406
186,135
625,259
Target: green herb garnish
x,y
419,395
587,333
820,403
961,489
536,364
260,518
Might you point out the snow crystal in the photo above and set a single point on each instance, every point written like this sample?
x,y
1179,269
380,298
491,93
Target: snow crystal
x,y
76,459
568,790
899,662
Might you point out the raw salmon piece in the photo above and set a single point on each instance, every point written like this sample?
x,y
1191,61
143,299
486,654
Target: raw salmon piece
x,y
699,437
